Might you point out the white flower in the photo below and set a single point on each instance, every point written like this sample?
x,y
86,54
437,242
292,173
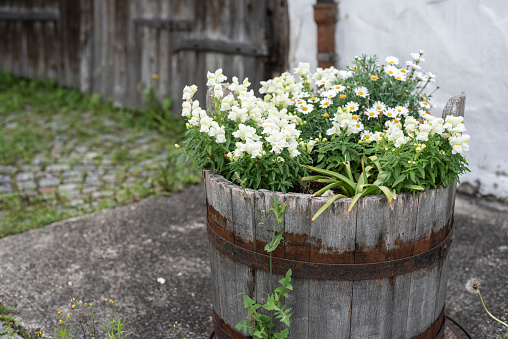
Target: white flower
x,y
302,69
278,141
310,145
217,91
411,124
390,113
392,60
254,148
161,281
205,123
401,76
392,70
379,106
371,113
293,148
367,136
423,132
325,103
362,92
354,127
220,135
459,143
417,56
339,88
453,120
245,132
412,65
401,110
214,128
226,102
345,74
188,92
352,106
186,108
378,136
238,114
305,109
329,94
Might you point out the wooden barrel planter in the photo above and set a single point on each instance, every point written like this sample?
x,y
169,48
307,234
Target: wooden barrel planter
x,y
375,272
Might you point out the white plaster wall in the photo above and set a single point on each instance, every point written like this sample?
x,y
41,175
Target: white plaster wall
x,y
466,46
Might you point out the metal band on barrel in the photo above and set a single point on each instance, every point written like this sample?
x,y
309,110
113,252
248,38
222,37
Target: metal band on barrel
x,y
325,271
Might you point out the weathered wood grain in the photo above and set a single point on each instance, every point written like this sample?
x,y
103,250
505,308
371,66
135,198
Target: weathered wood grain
x,y
215,280
383,233
455,106
332,235
329,309
120,85
228,296
243,217
85,45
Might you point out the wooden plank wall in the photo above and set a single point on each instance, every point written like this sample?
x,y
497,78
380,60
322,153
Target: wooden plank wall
x,y
111,47
43,42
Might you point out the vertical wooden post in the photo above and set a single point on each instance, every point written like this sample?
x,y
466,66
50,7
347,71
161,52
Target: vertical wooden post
x,y
325,15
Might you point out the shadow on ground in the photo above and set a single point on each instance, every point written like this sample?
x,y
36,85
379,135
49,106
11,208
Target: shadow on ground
x,y
121,253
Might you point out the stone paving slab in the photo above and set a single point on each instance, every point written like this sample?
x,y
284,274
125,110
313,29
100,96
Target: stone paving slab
x,y
121,253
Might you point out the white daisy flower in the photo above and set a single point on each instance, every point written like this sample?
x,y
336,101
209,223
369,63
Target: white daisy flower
x,y
390,113
362,92
401,110
371,113
367,136
325,103
352,106
392,70
379,106
305,109
392,60
329,94
400,76
314,100
412,65
339,88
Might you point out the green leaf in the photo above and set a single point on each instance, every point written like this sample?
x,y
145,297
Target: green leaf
x,y
272,245
327,204
414,187
333,174
282,334
313,177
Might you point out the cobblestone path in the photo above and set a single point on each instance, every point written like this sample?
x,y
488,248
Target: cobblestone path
x,y
84,174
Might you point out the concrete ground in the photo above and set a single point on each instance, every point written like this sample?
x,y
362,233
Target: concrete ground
x,y
120,254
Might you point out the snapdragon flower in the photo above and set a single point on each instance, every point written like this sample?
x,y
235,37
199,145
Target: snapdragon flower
x,y
188,92
459,143
246,132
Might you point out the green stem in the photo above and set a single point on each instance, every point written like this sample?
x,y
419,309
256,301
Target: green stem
x,y
486,310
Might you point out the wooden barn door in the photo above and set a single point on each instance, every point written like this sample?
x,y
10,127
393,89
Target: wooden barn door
x,y
181,41
115,47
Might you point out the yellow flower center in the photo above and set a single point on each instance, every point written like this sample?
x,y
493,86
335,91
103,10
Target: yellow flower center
x,y
343,96
325,115
360,93
305,108
373,78
367,136
390,72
